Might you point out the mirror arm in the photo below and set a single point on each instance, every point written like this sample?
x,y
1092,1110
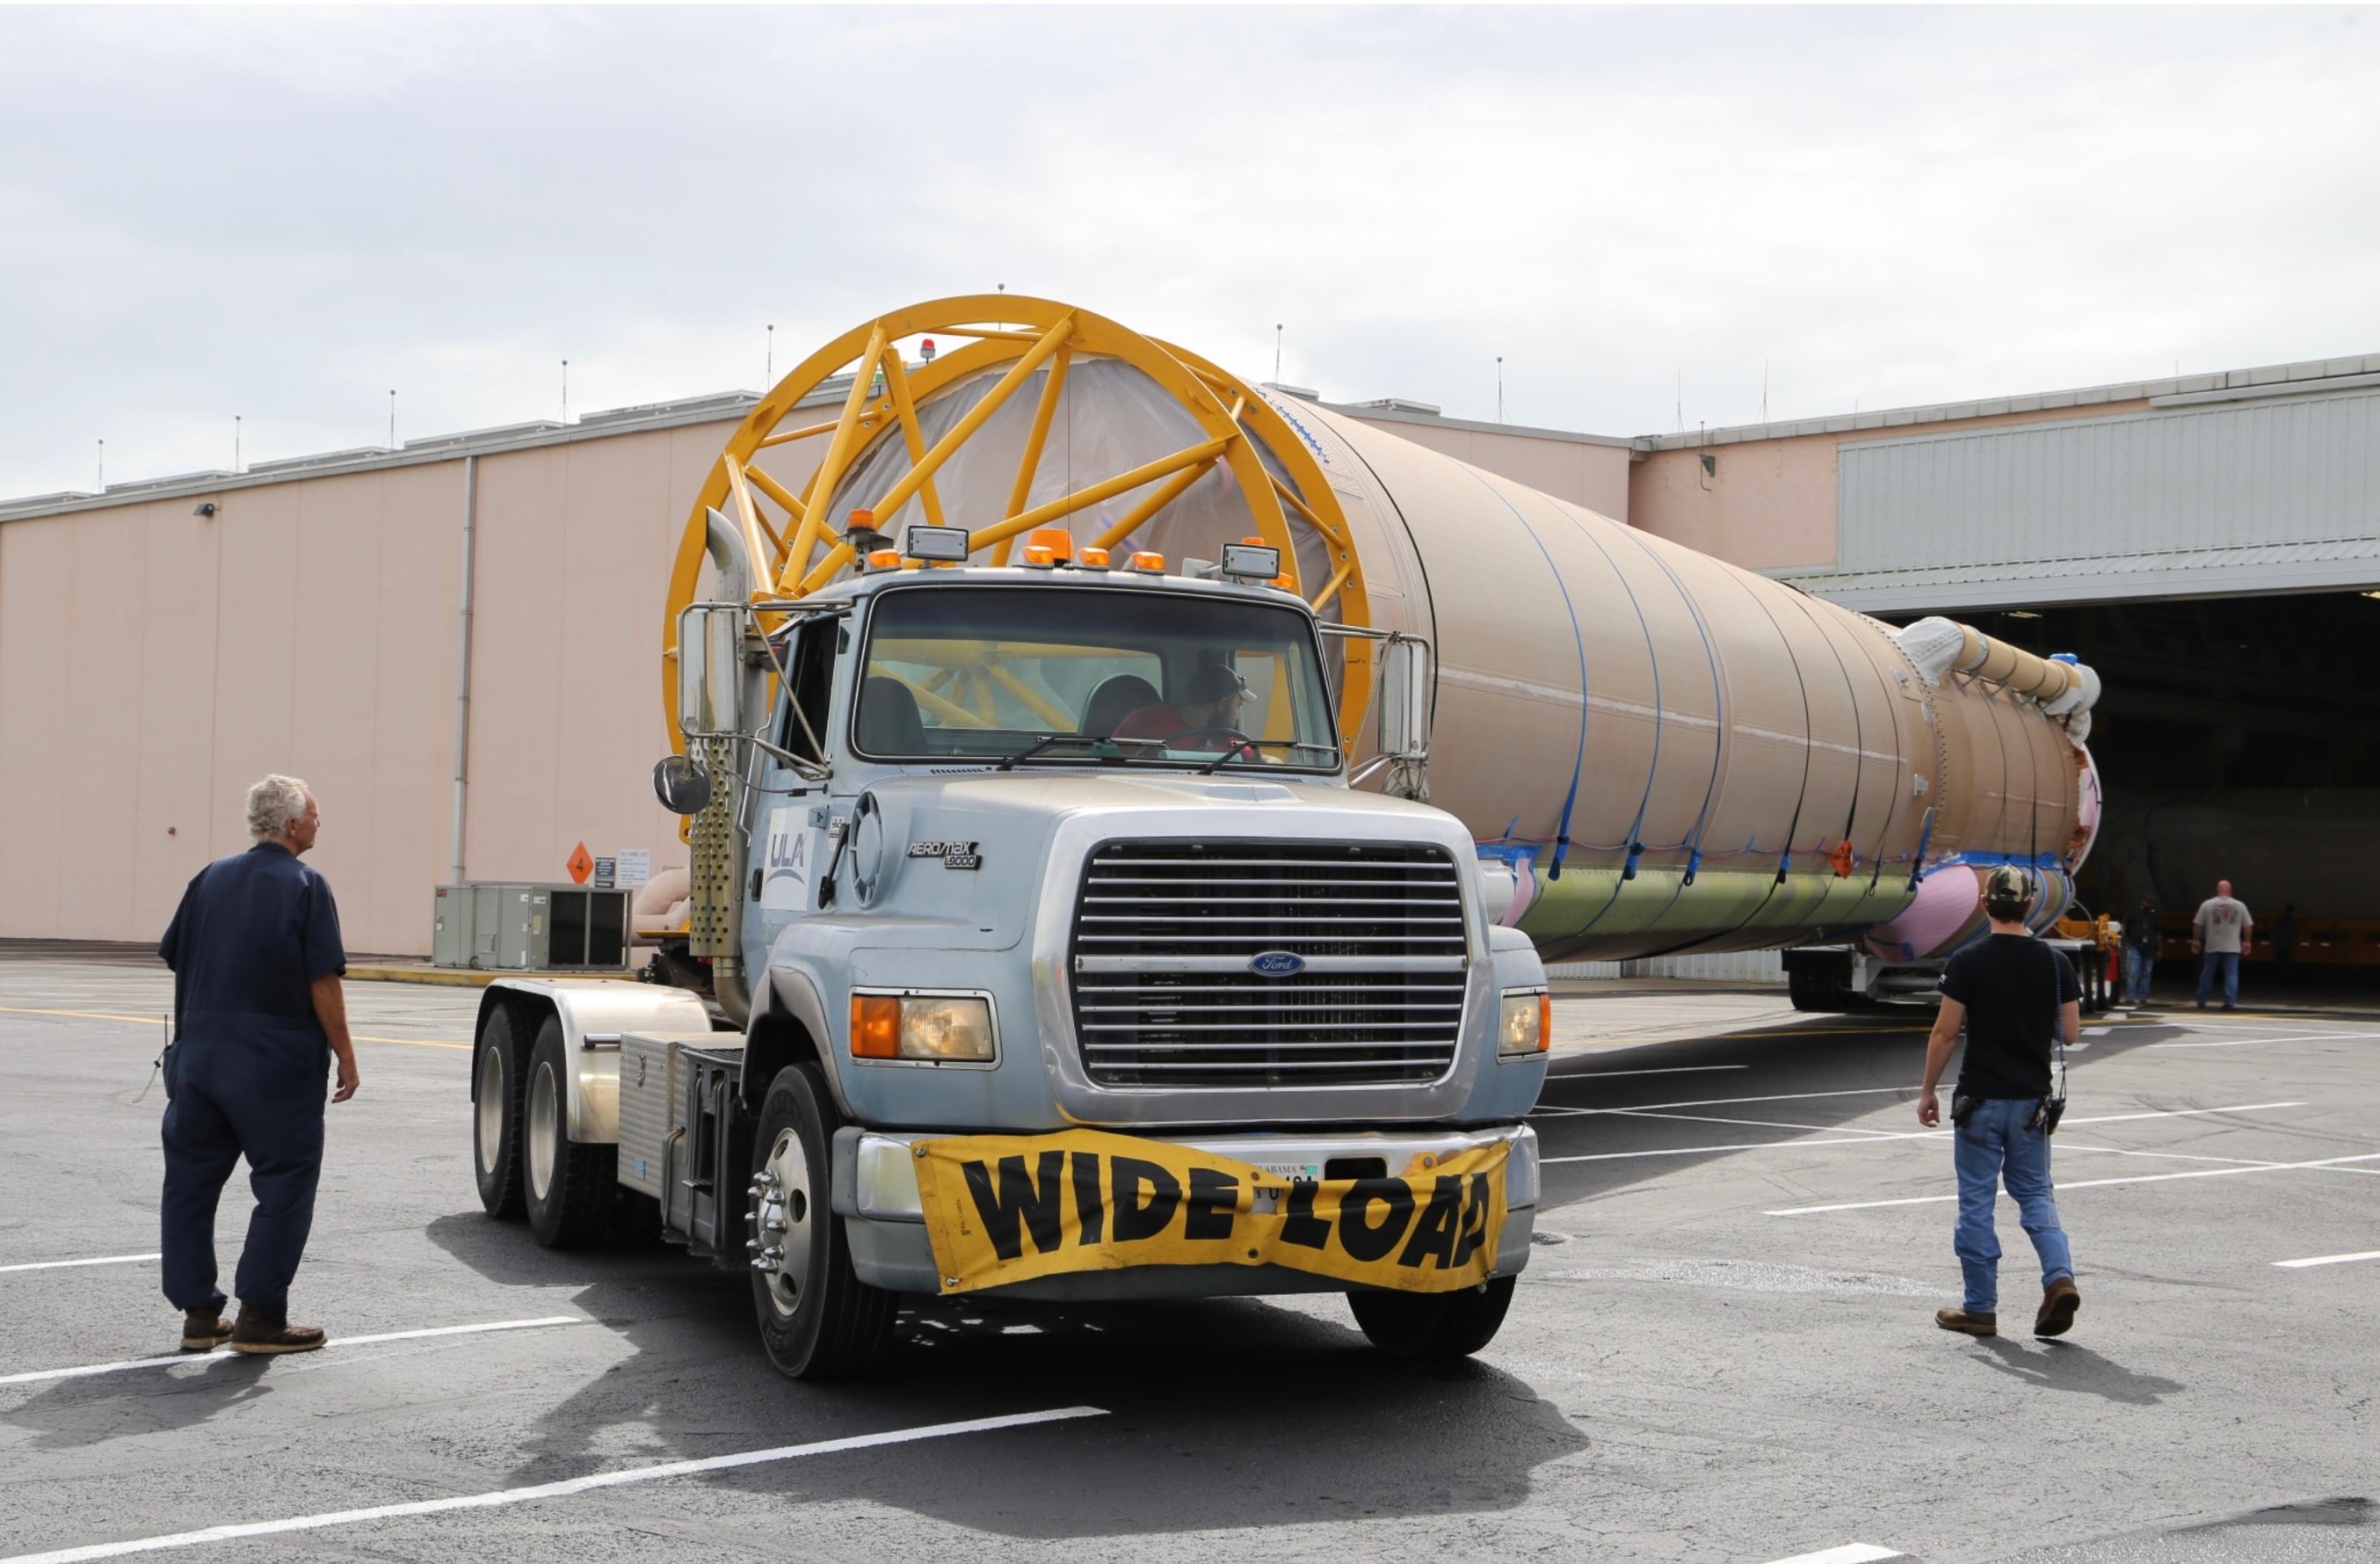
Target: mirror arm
x,y
785,681
809,770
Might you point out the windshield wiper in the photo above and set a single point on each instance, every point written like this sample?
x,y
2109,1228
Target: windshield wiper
x,y
1239,744
1051,740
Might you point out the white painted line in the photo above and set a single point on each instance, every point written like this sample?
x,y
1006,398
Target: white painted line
x,y
1849,1553
1673,1070
2181,1113
2329,1260
557,1490
2098,1030
64,1264
1879,1137
335,1341
2085,1184
1756,1123
1729,1102
2292,1037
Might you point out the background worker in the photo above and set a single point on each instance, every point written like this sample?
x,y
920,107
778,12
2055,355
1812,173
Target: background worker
x,y
259,1014
2219,935
2011,993
2142,934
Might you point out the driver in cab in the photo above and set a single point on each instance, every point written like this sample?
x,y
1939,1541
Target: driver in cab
x,y
1209,705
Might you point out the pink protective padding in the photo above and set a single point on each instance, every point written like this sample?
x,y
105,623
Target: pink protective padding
x,y
1947,900
2087,805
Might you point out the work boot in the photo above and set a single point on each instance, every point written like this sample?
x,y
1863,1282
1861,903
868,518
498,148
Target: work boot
x,y
203,1330
2060,1301
256,1334
1966,1323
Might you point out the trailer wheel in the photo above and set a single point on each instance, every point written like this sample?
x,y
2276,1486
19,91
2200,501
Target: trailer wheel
x,y
817,1319
571,1188
496,1116
1433,1325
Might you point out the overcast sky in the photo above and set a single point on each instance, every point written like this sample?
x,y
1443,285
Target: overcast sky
x,y
282,213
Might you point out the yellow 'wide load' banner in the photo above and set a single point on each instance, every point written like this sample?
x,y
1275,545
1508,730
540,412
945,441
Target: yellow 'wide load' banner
x,y
1006,1208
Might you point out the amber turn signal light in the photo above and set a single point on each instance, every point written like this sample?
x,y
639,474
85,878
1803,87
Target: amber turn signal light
x,y
875,1026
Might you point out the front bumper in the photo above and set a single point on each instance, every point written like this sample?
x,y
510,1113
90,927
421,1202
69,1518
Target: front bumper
x,y
874,1187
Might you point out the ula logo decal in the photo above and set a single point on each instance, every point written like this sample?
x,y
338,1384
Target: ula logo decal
x,y
1276,964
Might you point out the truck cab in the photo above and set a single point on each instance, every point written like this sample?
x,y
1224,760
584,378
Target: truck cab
x,y
1049,953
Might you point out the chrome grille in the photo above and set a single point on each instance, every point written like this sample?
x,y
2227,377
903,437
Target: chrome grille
x,y
1164,995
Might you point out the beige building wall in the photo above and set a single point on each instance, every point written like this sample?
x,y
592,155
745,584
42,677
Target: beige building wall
x,y
1589,472
153,662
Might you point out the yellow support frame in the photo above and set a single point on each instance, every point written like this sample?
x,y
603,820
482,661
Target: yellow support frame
x,y
1015,336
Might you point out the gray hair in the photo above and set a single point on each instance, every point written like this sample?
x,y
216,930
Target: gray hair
x,y
272,804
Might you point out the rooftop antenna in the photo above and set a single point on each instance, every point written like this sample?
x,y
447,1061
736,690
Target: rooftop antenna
x,y
565,390
769,365
392,418
102,464
1682,402
1500,388
235,443
1277,330
1764,390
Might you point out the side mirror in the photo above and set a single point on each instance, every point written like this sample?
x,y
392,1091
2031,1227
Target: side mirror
x,y
681,785
708,699
1405,698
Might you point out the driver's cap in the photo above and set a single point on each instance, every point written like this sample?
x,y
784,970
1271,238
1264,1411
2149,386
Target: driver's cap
x,y
1212,681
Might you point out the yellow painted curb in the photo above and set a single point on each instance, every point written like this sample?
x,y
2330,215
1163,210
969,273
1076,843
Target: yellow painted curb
x,y
463,977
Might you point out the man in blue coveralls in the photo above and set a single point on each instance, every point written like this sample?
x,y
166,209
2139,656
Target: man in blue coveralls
x,y
259,1014
2011,993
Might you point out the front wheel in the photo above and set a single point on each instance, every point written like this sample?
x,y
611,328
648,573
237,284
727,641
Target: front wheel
x,y
1433,1325
817,1319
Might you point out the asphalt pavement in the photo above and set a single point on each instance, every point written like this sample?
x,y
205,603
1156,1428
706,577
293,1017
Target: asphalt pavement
x,y
1723,1350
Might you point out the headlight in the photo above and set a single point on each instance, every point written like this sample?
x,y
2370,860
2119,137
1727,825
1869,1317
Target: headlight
x,y
1526,1025
934,1027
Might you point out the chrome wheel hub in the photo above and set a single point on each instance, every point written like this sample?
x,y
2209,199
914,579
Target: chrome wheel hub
x,y
545,1129
785,1222
492,1108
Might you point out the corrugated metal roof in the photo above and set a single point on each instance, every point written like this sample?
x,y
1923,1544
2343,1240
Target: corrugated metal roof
x,y
2344,564
2232,380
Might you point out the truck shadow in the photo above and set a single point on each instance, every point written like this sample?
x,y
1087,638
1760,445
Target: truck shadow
x,y
1216,1413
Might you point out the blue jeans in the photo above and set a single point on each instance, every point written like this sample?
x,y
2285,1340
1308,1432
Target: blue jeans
x,y
2224,961
2139,965
1993,1145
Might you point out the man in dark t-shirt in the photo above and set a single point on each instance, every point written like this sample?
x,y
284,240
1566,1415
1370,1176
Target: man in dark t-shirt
x,y
258,1016
2013,994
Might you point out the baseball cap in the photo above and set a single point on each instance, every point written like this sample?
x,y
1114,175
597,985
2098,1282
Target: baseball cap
x,y
2008,887
1212,681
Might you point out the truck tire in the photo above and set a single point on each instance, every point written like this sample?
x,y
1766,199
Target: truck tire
x,y
498,1084
1820,989
571,1189
817,1319
1433,1325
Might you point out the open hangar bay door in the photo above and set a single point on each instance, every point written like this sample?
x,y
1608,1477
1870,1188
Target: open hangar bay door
x,y
2239,739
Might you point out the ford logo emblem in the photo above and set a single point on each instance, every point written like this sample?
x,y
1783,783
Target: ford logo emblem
x,y
1276,964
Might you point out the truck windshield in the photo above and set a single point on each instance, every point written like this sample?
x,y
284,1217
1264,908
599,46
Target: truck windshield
x,y
1086,674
